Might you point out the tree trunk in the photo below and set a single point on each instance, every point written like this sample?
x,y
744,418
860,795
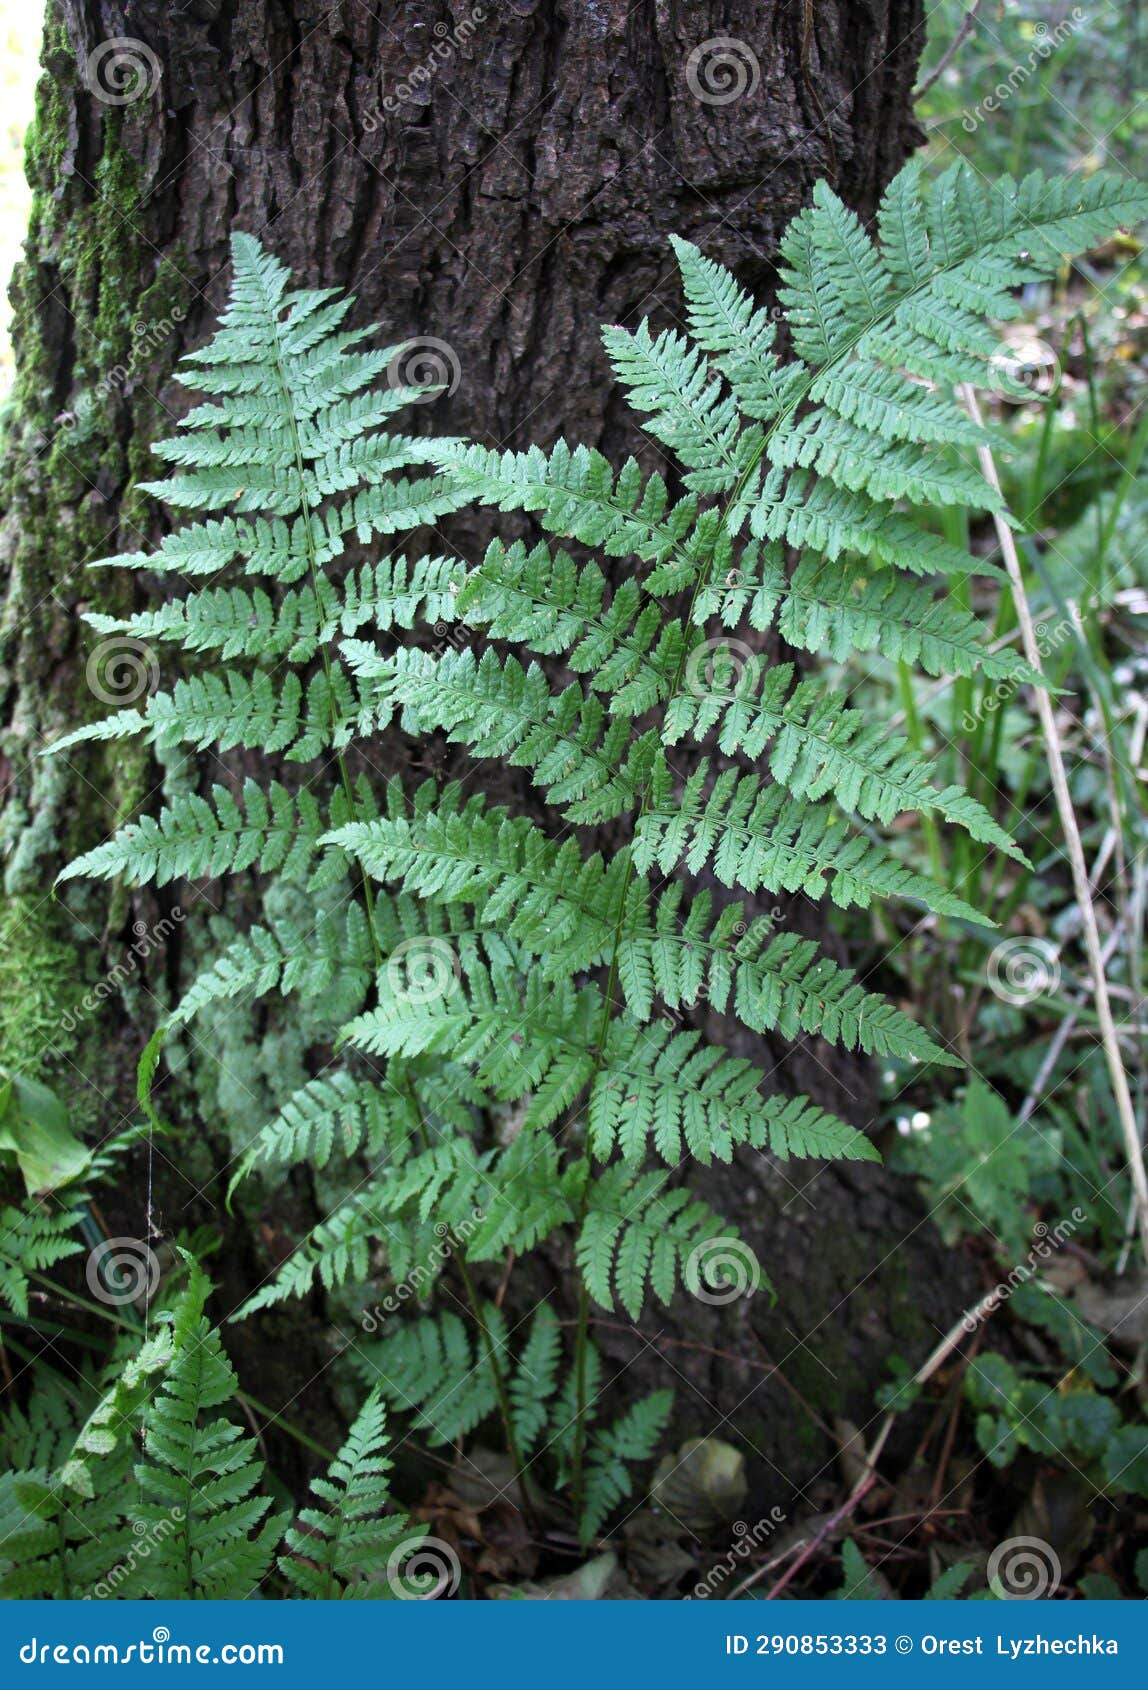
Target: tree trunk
x,y
503,179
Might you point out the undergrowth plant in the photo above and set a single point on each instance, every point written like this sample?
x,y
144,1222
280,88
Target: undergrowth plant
x,y
510,1005
161,1494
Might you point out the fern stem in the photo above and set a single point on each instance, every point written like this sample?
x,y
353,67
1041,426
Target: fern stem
x,y
498,1377
504,1407
324,654
917,740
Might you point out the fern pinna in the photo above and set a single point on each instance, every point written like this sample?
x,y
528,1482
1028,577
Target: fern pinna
x,y
500,962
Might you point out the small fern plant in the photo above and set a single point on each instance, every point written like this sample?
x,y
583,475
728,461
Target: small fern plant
x,y
161,1494
511,1003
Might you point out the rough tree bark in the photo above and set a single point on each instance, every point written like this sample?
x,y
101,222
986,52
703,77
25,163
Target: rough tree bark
x,y
503,178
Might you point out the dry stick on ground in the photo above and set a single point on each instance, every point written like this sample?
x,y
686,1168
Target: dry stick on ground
x,y
1058,1041
768,1367
1068,822
1064,1032
969,1322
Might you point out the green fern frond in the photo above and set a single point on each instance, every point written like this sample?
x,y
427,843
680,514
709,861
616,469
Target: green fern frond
x,y
333,1114
578,496
535,1380
65,1550
680,1094
585,763
757,837
837,610
253,712
272,829
568,912
668,377
648,1084
638,1236
200,1472
504,976
345,1547
482,1203
32,1240
339,1251
819,747
627,649
237,623
433,1368
613,1450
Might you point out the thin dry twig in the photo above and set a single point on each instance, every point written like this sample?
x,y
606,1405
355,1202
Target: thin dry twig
x,y
954,46
968,1322
1119,1078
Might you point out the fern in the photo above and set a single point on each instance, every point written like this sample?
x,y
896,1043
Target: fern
x,y
570,911
159,1495
614,1450
201,1472
636,1234
292,429
507,1004
435,1368
31,1240
348,1546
